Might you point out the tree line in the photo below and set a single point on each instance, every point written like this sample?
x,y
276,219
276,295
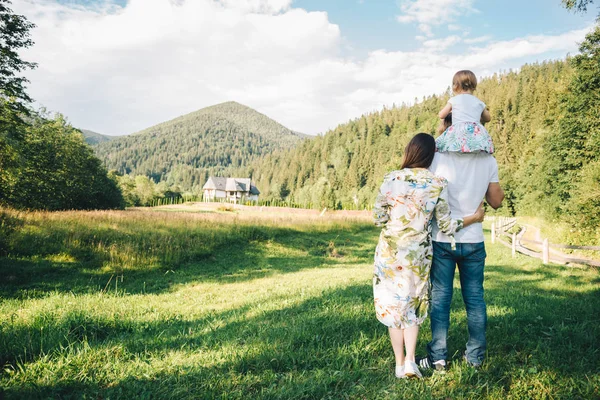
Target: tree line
x,y
545,126
44,162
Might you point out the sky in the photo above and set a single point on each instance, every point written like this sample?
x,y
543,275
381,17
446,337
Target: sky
x,y
119,66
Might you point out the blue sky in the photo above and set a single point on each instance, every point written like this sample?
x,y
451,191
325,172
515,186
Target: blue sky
x,y
371,24
117,66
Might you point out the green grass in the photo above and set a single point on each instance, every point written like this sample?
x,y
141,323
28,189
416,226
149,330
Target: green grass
x,y
153,305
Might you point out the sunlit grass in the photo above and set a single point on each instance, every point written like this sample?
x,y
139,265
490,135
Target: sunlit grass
x,y
262,306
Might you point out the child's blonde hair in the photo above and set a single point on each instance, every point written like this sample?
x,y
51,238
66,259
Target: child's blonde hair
x,y
465,81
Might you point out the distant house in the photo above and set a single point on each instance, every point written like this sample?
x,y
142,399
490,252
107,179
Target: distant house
x,y
232,189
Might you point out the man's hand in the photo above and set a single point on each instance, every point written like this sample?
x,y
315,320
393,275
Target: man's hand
x,y
494,195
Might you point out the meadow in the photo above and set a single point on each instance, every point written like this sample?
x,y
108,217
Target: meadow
x,y
165,304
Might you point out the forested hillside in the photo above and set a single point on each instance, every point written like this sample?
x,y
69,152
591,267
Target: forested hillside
x,y
92,137
346,166
186,150
545,125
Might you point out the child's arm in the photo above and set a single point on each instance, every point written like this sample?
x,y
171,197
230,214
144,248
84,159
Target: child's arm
x,y
485,116
445,111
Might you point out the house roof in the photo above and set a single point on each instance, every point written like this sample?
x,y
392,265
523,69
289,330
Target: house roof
x,y
215,182
231,184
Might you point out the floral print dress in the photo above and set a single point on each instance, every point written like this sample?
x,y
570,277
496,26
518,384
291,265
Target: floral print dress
x,y
465,137
467,134
407,201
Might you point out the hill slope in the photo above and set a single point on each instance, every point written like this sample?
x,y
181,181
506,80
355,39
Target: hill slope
x,y
93,138
185,150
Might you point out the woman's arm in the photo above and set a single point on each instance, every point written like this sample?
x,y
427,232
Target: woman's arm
x,y
443,217
381,213
445,111
477,217
448,225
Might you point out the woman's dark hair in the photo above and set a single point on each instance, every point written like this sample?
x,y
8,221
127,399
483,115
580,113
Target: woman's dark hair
x,y
419,151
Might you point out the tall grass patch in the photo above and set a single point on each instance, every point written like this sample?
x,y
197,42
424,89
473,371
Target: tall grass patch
x,y
269,307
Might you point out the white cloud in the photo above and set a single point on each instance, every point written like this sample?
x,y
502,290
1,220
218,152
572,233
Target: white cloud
x,y
442,44
118,70
428,13
426,29
454,27
479,39
499,52
261,6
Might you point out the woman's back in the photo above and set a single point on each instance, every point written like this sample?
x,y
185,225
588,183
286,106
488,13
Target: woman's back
x,y
407,200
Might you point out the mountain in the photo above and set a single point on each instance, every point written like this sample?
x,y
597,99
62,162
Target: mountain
x,y
187,149
93,138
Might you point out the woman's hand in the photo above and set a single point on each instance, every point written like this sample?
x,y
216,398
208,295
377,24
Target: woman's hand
x,y
479,214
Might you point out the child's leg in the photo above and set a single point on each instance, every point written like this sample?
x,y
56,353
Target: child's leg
x,y
397,339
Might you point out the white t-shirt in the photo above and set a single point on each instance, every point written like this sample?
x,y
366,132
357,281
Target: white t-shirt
x,y
468,175
466,108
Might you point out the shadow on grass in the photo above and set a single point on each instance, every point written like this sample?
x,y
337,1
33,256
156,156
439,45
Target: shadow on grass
x,y
270,250
331,346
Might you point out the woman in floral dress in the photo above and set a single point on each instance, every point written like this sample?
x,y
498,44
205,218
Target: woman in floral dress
x,y
408,199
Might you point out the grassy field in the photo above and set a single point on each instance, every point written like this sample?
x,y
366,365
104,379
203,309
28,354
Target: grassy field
x,y
171,305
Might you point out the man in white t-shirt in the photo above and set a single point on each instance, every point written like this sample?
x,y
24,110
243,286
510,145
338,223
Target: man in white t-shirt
x,y
471,178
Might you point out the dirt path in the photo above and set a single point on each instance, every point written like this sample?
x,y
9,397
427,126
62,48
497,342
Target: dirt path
x,y
532,233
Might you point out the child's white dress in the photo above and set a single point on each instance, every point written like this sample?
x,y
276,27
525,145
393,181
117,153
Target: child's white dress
x,y
467,134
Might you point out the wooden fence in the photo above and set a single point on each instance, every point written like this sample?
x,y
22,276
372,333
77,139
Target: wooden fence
x,y
501,229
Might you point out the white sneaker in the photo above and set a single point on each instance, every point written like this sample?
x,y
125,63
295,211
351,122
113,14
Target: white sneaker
x,y
411,369
400,372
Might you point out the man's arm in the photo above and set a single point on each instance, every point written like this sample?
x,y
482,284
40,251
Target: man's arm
x,y
494,195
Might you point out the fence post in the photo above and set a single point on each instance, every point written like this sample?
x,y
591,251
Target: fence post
x,y
514,245
546,252
493,232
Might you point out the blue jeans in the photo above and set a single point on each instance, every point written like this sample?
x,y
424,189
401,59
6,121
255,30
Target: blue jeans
x,y
470,258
